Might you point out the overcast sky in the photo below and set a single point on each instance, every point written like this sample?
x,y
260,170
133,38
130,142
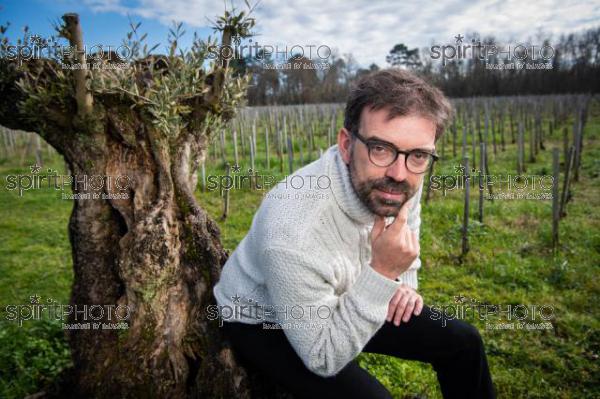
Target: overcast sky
x,y
366,28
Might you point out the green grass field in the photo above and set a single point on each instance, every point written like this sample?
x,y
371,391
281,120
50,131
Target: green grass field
x,y
511,262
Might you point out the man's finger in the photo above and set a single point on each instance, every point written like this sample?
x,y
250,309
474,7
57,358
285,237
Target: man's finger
x,y
378,227
418,305
400,308
415,240
408,242
393,304
410,307
402,216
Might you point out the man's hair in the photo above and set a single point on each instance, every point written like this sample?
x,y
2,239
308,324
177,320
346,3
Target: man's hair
x,y
401,93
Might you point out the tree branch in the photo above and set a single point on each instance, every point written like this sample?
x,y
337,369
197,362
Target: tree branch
x,y
84,98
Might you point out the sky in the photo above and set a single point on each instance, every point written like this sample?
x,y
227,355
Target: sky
x,y
367,29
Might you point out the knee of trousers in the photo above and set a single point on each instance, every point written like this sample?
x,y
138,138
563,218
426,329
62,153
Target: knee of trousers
x,y
465,335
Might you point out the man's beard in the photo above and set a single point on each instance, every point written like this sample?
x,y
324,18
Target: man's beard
x,y
380,206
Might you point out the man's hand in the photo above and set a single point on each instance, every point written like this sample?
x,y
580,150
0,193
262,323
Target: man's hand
x,y
394,248
405,302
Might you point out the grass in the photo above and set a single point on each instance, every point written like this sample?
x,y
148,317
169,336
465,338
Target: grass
x,y
511,262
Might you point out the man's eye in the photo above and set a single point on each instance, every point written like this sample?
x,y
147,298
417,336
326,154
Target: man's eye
x,y
379,149
418,155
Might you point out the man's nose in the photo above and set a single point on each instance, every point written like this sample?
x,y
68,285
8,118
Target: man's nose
x,y
397,170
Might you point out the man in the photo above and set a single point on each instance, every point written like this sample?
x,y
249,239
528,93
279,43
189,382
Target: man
x,y
329,266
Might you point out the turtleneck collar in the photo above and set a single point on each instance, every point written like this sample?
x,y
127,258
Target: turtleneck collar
x,y
344,192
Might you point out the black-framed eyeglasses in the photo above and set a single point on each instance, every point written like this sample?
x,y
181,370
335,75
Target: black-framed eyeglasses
x,y
384,154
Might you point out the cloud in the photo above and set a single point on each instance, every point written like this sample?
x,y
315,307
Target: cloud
x,y
369,28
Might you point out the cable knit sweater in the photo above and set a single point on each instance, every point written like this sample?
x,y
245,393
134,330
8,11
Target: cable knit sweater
x,y
305,264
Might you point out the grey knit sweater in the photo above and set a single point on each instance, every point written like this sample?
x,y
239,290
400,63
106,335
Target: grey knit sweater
x,y
304,264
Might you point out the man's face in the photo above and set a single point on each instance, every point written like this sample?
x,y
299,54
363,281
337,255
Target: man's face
x,y
384,190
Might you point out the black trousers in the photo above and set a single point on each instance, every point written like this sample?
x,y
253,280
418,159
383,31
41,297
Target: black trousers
x,y
455,351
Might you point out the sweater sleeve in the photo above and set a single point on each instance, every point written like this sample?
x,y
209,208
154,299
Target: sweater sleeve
x,y
326,330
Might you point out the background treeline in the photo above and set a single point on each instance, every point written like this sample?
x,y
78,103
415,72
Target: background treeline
x,y
575,69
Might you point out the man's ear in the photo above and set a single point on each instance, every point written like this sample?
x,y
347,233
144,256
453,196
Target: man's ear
x,y
344,142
